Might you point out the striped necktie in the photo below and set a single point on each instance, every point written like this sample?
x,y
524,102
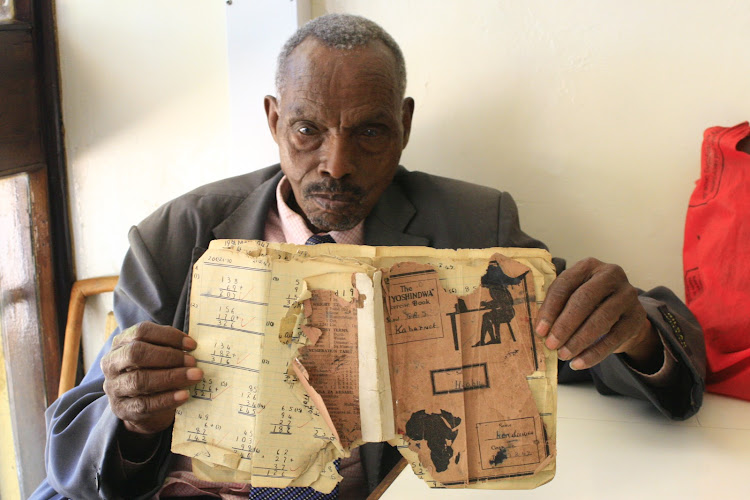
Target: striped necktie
x,y
293,493
299,493
317,239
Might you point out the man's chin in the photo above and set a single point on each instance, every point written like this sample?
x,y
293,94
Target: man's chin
x,y
328,222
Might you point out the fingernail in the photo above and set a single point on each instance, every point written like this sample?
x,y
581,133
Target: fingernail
x,y
188,343
189,360
194,374
181,395
576,364
552,342
563,353
542,328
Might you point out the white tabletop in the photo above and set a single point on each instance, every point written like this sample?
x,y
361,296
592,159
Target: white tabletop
x,y
612,447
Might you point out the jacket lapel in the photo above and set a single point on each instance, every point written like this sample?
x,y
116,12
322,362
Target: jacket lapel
x,y
244,223
248,221
387,223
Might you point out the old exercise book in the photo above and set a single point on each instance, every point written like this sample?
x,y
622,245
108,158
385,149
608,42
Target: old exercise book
x,y
310,351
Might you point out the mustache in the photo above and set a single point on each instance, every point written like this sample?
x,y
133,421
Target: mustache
x,y
333,187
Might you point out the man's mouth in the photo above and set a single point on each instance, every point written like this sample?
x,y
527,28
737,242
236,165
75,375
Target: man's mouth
x,y
333,201
335,197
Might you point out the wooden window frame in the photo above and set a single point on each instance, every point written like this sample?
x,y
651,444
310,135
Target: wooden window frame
x,y
33,310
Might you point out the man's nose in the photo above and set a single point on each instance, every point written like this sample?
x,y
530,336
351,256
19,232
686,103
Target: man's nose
x,y
339,158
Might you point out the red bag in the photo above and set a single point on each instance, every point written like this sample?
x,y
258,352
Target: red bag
x,y
716,259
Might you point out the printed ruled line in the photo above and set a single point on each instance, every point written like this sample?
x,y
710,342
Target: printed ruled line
x,y
414,273
236,367
230,328
244,268
483,478
235,300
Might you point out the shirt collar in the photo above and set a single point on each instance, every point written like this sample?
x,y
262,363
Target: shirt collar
x,y
295,229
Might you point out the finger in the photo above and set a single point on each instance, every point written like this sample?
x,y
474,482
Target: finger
x,y
155,334
151,413
137,354
582,303
559,293
599,322
145,382
595,354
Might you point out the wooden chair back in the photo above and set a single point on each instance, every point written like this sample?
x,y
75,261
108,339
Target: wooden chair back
x,y
71,350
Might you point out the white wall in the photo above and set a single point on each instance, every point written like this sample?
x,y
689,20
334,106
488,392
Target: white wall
x,y
591,113
256,30
146,109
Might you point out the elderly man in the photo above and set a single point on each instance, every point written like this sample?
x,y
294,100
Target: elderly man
x,y
341,121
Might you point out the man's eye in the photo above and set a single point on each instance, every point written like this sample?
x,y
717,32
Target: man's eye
x,y
306,130
370,132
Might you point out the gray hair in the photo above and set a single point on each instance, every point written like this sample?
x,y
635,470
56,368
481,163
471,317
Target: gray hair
x,y
342,32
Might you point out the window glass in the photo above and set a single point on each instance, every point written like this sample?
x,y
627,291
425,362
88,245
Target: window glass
x,y
6,10
22,337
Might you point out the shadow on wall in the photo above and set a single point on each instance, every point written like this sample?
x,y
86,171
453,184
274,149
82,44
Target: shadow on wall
x,y
120,67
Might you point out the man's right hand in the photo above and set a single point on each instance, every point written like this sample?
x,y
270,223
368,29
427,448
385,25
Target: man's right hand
x,y
146,373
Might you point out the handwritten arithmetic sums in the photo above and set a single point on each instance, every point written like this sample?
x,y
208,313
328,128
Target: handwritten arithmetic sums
x,y
229,315
222,354
207,389
203,428
249,405
226,317
309,406
284,423
244,445
292,295
236,309
279,464
230,288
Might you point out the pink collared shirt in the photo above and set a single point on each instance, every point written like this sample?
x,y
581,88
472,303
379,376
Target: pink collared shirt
x,y
284,225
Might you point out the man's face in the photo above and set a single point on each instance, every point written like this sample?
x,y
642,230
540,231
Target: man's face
x,y
341,126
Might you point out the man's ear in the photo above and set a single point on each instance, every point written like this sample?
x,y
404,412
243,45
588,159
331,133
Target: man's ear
x,y
272,114
407,111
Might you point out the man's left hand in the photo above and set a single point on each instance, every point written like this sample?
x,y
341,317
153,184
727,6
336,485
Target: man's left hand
x,y
592,311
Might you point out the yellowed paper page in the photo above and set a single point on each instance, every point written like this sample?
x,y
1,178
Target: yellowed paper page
x,y
250,413
310,351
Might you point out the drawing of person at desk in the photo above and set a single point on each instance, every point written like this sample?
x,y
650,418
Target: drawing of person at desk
x,y
501,309
498,311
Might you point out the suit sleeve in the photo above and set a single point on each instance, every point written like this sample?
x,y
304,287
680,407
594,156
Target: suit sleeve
x,y
682,396
82,455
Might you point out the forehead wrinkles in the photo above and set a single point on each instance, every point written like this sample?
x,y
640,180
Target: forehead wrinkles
x,y
359,100
355,92
331,77
338,110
